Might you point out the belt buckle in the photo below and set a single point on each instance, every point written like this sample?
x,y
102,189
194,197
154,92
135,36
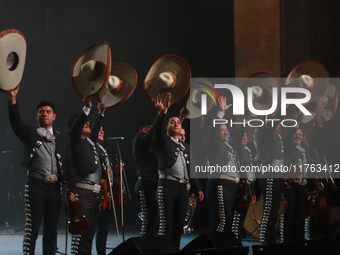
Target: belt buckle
x,y
237,180
50,178
96,188
303,182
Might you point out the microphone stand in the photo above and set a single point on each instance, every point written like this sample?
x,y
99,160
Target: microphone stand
x,y
9,203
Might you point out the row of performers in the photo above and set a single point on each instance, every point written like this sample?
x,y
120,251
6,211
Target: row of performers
x,y
164,179
227,193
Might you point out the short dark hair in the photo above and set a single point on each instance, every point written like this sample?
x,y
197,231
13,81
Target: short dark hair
x,y
46,103
144,123
303,128
173,116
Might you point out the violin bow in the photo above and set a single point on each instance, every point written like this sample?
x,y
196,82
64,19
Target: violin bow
x,y
121,186
252,205
113,202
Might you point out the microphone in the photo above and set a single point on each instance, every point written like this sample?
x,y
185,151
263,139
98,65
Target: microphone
x,y
116,138
7,151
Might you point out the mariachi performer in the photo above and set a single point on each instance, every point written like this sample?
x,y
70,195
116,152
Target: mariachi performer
x,y
246,194
223,185
47,153
169,78
121,84
322,104
88,172
107,204
93,73
297,155
270,150
174,177
88,77
146,185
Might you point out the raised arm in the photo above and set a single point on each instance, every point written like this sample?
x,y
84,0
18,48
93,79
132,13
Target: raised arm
x,y
210,141
81,119
98,122
158,124
20,129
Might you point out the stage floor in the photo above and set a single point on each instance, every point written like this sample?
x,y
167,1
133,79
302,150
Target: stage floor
x,y
11,242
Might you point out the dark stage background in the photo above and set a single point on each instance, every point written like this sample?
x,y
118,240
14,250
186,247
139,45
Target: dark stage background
x,y
138,32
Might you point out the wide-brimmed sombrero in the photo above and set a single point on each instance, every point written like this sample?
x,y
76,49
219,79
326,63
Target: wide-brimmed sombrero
x,y
261,84
200,86
310,75
170,73
91,70
120,86
12,58
331,102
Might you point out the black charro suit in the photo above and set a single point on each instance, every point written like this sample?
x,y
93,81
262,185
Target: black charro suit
x,y
222,192
42,198
87,162
172,195
146,185
244,154
293,227
83,154
271,153
248,180
144,155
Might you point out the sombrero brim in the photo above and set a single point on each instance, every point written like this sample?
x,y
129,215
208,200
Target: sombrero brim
x,y
199,84
315,70
267,82
128,75
314,108
99,52
332,94
12,41
175,65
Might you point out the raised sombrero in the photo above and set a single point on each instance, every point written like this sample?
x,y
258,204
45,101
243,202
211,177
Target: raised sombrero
x,y
91,70
120,86
170,73
12,58
310,75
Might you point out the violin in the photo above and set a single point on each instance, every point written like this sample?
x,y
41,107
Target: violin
x,y
105,201
76,223
318,203
311,203
243,196
119,184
